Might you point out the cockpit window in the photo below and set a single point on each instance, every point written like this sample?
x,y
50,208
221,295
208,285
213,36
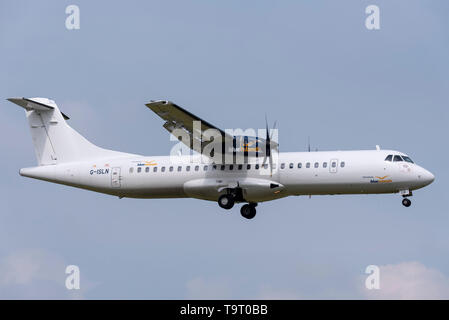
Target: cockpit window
x,y
407,159
389,157
397,158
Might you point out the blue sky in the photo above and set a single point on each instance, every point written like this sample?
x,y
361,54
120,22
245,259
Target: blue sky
x,y
312,66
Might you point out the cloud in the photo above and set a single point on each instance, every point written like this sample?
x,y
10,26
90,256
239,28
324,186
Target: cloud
x,y
201,288
410,280
36,274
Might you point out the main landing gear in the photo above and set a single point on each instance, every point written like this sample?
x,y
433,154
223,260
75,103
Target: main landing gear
x,y
227,201
248,211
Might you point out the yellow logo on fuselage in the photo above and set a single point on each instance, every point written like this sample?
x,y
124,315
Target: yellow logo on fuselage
x,y
247,147
383,179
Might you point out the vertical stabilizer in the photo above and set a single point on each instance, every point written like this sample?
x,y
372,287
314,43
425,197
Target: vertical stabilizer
x,y
54,140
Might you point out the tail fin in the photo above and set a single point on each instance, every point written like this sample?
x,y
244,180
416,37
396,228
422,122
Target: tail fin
x,y
54,140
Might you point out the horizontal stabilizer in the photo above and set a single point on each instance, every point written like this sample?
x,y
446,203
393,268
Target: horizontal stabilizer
x,y
40,104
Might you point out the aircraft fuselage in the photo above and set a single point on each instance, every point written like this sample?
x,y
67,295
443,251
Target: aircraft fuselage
x,y
295,173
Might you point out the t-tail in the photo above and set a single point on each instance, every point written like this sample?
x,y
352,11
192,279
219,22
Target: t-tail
x,y
55,142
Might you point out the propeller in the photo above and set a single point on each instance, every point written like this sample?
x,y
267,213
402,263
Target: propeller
x,y
268,145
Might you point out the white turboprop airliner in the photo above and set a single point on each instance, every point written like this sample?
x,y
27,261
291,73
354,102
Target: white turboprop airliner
x,y
65,157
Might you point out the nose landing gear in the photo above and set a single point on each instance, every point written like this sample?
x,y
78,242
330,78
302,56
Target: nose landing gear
x,y
406,193
406,202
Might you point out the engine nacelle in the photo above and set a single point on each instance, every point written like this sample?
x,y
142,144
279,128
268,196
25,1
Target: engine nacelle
x,y
253,189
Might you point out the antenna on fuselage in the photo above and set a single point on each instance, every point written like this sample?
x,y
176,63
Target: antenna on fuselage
x,y
308,143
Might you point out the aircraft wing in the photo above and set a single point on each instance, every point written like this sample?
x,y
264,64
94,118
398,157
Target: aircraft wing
x,y
176,117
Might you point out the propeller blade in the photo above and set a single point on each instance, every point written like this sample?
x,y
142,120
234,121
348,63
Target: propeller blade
x,y
274,127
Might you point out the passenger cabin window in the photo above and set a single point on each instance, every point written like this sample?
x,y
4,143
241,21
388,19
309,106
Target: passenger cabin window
x,y
179,168
265,166
197,168
222,167
324,164
214,167
154,169
389,157
334,164
342,164
317,164
291,166
248,166
163,169
299,165
131,170
256,167
188,168
397,158
147,169
139,169
240,167
170,169
205,168
308,165
231,167
282,165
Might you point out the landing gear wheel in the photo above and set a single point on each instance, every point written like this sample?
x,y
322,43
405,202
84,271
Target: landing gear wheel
x,y
406,202
248,211
226,201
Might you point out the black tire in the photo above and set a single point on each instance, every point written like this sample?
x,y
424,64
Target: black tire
x,y
248,211
226,201
406,202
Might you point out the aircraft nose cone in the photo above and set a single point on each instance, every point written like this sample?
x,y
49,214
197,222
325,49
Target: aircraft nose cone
x,y
426,176
430,177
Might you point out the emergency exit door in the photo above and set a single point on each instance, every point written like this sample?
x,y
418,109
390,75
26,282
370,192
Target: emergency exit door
x,y
116,178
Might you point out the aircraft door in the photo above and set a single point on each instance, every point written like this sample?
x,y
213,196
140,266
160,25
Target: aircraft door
x,y
333,166
116,178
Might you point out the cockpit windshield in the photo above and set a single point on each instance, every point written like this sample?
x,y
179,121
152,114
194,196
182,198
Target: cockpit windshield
x,y
407,159
397,158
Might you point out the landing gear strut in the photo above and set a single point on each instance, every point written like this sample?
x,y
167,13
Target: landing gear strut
x,y
406,202
406,193
248,211
226,201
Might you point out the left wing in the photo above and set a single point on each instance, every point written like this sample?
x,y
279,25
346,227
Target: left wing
x,y
176,117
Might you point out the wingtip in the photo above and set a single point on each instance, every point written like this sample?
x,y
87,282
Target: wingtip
x,y
153,102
